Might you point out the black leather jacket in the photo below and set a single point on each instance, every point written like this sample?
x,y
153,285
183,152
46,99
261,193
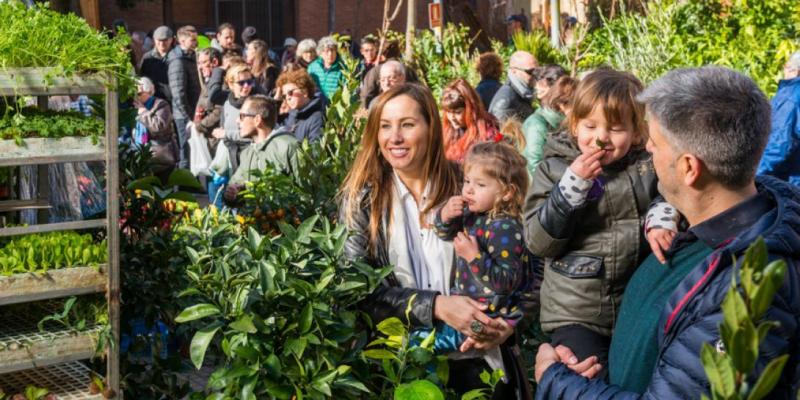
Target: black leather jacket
x,y
389,300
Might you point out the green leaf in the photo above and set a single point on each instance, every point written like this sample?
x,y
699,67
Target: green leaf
x,y
266,275
379,354
244,324
200,342
182,177
755,258
475,394
305,229
744,352
418,390
769,377
734,309
391,327
326,279
196,312
719,371
295,346
273,364
349,381
764,292
254,241
182,196
306,318
145,183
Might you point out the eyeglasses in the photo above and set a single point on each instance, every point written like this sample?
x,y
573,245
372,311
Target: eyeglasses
x,y
247,82
293,92
243,115
529,71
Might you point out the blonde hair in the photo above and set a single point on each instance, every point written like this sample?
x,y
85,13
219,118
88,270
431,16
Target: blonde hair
x,y
513,134
502,162
235,70
371,171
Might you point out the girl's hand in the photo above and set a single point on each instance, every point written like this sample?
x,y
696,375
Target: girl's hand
x,y
466,246
454,208
587,165
660,239
460,311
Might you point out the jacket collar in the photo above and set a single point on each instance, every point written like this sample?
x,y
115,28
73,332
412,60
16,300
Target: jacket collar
x,y
552,117
520,87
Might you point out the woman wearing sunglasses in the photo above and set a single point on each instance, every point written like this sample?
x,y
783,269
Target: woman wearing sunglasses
x,y
305,105
241,83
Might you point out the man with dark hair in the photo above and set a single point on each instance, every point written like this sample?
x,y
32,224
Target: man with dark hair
x,y
207,114
225,38
708,128
154,62
276,148
184,84
369,54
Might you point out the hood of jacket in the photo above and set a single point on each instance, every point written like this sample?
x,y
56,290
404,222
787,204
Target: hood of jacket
x,y
560,144
782,233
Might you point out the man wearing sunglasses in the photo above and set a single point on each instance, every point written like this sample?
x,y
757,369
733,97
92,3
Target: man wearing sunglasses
x,y
275,148
514,98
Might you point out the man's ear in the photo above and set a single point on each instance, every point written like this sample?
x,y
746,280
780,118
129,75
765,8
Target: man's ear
x,y
690,168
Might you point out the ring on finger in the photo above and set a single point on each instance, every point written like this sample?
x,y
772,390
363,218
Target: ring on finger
x,y
476,327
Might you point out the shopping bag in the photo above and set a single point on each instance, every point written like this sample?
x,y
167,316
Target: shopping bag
x,y
199,156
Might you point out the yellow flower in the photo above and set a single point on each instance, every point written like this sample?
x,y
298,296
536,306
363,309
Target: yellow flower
x,y
240,219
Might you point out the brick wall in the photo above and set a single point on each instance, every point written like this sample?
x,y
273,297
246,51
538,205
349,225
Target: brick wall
x,y
150,14
360,16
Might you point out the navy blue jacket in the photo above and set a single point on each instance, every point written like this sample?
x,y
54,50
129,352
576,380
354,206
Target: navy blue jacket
x,y
781,157
692,315
307,122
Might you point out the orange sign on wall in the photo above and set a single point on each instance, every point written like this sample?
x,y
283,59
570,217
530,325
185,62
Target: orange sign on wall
x,y
435,15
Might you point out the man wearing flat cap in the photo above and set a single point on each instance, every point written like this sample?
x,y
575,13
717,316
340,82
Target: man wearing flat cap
x,y
154,63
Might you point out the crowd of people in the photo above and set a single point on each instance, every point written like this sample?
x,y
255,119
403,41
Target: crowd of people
x,y
611,211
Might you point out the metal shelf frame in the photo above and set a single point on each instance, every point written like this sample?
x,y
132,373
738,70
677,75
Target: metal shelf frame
x,y
68,380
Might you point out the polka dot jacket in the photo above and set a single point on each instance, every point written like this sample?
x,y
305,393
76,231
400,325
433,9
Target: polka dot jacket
x,y
497,273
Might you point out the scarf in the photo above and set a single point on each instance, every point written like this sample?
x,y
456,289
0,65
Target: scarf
x,y
140,134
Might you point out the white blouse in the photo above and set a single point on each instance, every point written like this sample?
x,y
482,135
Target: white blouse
x,y
422,260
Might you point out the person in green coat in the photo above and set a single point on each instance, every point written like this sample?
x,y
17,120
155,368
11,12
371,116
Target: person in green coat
x,y
276,148
327,70
546,119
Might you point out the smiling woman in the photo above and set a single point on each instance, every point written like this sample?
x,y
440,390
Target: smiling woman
x,y
389,198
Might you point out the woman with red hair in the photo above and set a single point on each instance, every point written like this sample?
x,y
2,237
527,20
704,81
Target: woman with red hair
x,y
466,121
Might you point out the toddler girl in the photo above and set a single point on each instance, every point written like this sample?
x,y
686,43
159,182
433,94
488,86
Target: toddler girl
x,y
484,225
585,213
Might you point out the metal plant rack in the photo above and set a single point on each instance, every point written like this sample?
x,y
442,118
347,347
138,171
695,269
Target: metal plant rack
x,y
52,359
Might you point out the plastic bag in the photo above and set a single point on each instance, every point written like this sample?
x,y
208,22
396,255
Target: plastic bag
x,y
221,164
199,156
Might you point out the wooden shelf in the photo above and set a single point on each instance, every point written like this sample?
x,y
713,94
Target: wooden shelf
x,y
55,227
68,381
19,205
51,151
56,283
45,82
23,346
